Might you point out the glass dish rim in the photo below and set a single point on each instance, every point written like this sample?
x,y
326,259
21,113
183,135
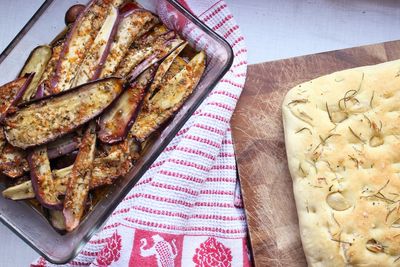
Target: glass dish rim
x,y
96,226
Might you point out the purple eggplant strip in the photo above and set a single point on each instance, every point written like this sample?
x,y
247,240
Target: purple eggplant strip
x,y
169,99
141,50
47,119
63,146
162,71
36,63
170,46
42,179
134,24
12,92
79,182
92,65
78,41
116,122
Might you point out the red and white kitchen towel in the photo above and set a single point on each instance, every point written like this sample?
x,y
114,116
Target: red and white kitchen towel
x,y
187,209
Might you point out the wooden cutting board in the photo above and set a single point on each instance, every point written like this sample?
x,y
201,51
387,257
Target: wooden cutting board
x,y
260,148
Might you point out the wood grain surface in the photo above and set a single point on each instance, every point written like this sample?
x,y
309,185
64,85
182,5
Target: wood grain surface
x,y
260,148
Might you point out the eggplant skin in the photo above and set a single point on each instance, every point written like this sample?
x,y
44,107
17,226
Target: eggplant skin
x,y
42,121
42,179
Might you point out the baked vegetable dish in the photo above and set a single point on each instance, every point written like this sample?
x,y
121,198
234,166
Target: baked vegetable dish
x,y
83,107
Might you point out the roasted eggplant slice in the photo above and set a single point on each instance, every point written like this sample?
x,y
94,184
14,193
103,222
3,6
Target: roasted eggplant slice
x,y
169,98
12,92
177,65
151,36
57,220
110,167
79,40
116,122
61,179
42,179
36,64
162,70
134,23
166,49
92,64
103,175
20,191
140,52
47,119
44,84
13,161
181,86
78,185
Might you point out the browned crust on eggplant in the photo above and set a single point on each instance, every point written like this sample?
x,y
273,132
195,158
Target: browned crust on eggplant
x,y
139,52
11,92
50,68
130,29
168,99
116,121
43,121
116,163
13,161
79,40
42,179
176,66
36,63
78,185
151,36
162,71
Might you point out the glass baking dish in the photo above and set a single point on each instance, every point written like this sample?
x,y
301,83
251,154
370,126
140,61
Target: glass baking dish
x,y
21,217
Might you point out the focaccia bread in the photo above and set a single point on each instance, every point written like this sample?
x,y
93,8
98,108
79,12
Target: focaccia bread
x,y
342,134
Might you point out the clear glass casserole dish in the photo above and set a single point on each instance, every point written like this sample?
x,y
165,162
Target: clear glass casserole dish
x,y
21,217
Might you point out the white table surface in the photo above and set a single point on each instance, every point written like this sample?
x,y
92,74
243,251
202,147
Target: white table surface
x,y
273,30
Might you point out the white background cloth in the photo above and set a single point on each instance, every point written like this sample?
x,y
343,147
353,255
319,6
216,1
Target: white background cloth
x,y
288,29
